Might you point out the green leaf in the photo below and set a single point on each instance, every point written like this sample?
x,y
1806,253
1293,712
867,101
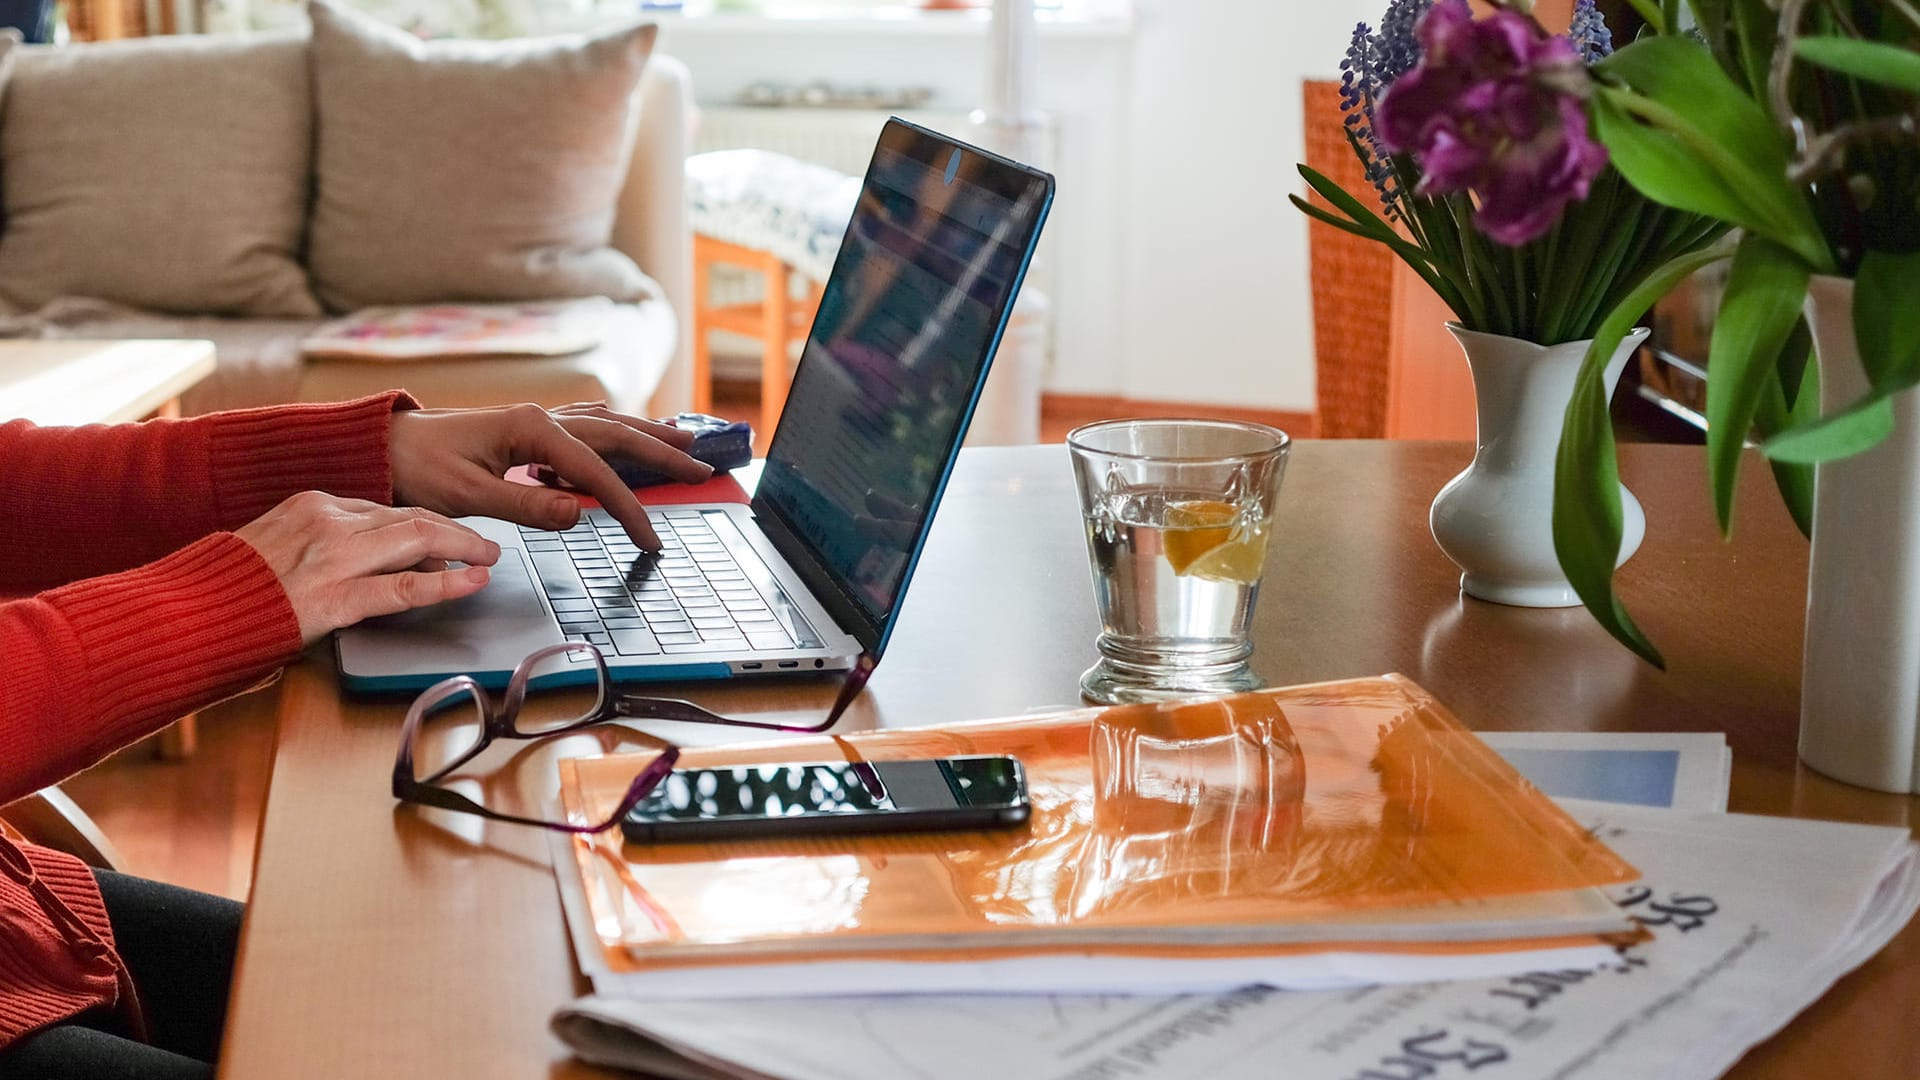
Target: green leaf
x,y
1874,61
1792,398
1680,74
1886,319
1794,481
1359,229
1858,427
1765,291
1586,490
1343,200
1749,50
1412,256
1722,155
1650,11
1661,166
1711,17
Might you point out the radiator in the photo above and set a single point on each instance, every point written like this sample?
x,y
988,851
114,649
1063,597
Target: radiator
x,y
840,139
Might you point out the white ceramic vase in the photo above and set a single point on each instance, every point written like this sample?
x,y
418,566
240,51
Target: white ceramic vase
x,y
1860,686
1495,520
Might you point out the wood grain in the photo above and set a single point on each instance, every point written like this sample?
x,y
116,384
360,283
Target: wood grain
x,y
383,941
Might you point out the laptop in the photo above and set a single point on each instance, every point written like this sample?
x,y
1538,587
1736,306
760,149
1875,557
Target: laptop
x,y
811,574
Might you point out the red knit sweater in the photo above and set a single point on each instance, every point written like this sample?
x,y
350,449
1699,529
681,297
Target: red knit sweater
x,y
145,611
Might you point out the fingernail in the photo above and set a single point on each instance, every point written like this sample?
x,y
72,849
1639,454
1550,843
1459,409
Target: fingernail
x,y
478,574
565,511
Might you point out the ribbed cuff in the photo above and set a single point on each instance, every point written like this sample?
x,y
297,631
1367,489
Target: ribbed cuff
x,y
57,957
72,881
261,456
171,636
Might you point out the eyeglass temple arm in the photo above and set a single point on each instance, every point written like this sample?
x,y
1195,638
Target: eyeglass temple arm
x,y
407,789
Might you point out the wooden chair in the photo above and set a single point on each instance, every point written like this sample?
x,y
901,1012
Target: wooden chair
x,y
777,320
1384,364
51,819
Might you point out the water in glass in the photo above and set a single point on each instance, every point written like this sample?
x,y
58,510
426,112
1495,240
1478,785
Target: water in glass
x,y
1177,550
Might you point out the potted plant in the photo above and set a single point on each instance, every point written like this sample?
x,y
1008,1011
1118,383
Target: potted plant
x,y
1798,121
1490,186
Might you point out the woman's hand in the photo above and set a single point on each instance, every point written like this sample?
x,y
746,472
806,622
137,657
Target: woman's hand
x,y
343,560
452,461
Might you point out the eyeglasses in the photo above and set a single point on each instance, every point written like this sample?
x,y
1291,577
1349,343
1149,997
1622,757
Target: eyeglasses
x,y
454,720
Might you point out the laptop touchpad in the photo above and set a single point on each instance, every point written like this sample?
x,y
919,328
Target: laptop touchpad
x,y
510,595
490,625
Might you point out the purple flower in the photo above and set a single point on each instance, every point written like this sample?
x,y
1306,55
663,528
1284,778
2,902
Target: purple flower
x,y
1359,86
1589,32
1494,109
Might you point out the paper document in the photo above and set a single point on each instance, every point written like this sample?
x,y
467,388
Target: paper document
x,y
1676,771
1752,919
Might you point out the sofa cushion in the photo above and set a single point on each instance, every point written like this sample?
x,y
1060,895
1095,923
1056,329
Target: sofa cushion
x,y
166,173
469,170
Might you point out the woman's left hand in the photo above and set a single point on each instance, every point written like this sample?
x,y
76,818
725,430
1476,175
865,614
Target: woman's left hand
x,y
453,461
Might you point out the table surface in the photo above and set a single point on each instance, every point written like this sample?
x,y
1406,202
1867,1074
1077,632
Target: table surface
x,y
384,940
96,382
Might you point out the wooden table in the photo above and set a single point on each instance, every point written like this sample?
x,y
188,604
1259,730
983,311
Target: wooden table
x,y
69,383
382,941
63,383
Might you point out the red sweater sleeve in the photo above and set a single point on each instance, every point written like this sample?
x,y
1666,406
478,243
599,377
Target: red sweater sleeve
x,y
78,502
88,668
94,665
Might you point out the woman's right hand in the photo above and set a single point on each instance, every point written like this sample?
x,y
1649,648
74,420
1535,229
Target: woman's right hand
x,y
344,560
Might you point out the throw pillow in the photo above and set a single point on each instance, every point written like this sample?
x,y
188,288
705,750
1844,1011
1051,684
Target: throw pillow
x,y
469,170
162,173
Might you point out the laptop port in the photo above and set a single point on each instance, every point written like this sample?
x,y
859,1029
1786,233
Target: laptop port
x,y
789,663
750,666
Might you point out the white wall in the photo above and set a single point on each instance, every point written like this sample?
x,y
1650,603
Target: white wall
x,y
1178,270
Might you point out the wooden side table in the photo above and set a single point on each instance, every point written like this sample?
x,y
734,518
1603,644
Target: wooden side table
x,y
68,383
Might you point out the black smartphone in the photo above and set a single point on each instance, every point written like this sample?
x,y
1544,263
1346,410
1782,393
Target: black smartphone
x,y
828,797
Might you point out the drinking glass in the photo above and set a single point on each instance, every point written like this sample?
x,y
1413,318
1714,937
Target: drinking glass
x,y
1177,513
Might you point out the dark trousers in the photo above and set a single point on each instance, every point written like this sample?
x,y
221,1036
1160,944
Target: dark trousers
x,y
179,946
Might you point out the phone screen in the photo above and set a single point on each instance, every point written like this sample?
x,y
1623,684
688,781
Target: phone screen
x,y
825,797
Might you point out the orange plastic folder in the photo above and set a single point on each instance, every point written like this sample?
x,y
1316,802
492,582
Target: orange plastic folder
x,y
1355,815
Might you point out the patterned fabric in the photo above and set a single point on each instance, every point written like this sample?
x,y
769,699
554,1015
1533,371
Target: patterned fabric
x,y
771,202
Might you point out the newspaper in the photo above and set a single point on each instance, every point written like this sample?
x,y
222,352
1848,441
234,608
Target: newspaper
x,y
1753,918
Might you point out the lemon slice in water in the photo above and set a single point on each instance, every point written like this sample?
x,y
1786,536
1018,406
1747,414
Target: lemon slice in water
x,y
1238,560
1193,528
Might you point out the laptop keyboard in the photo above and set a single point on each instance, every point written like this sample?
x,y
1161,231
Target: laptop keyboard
x,y
694,597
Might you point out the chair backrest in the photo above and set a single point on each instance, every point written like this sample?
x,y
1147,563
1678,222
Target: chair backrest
x,y
1384,363
1351,281
52,820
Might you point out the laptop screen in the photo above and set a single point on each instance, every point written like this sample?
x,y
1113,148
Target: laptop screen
x,y
889,375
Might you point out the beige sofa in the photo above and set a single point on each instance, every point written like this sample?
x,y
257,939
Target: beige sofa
x,y
642,363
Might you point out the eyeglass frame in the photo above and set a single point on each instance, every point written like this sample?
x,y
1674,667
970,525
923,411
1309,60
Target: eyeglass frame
x,y
611,704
